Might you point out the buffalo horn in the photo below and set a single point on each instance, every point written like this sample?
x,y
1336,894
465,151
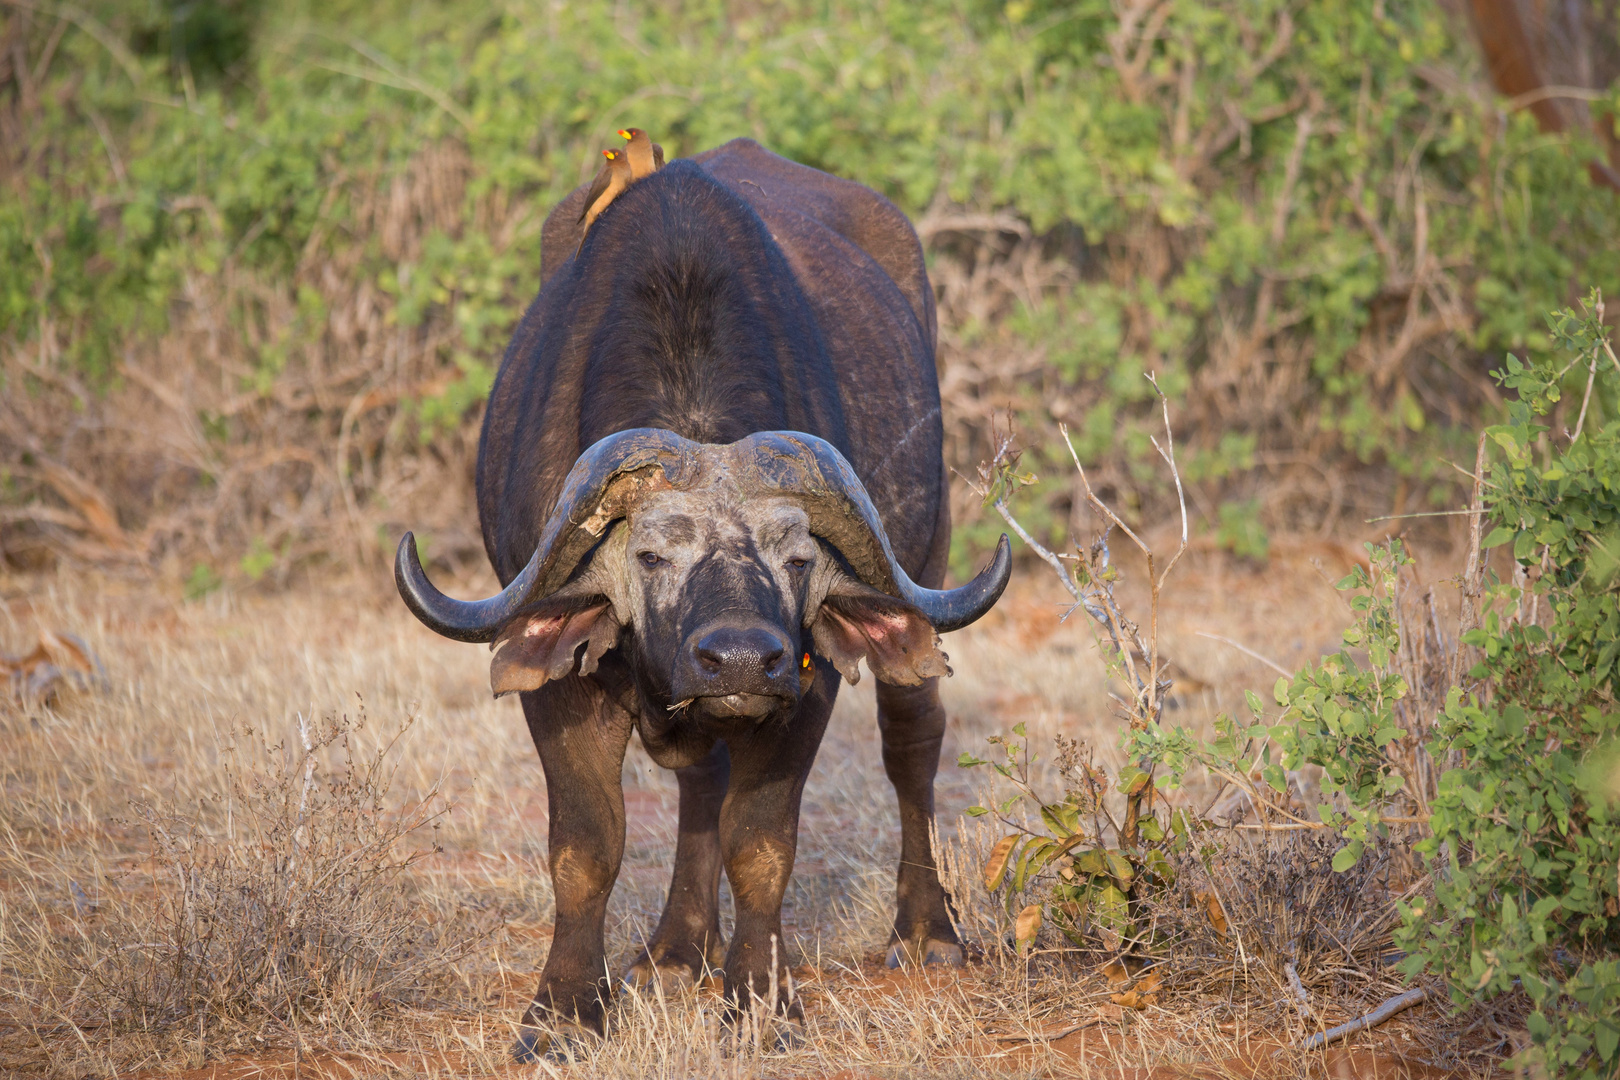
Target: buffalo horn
x,y
793,463
608,477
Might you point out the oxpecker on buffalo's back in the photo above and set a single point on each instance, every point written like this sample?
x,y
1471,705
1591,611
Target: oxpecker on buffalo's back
x,y
646,156
613,178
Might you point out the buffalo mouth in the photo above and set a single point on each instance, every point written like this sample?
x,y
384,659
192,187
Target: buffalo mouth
x,y
738,706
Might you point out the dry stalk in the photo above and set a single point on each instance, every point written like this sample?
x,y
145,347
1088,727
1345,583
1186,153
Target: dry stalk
x,y
1092,586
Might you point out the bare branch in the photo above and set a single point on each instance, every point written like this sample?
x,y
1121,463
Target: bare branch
x,y
1091,496
1168,452
1245,650
1038,548
1372,1019
1586,399
1427,513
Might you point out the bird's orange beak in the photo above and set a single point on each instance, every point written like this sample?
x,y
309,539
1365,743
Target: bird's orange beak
x,y
623,134
610,155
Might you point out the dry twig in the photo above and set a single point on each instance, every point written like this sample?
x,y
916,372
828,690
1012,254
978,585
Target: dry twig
x,y
1398,1003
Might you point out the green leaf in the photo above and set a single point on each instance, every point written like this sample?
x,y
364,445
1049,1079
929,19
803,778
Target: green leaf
x,y
1063,818
1120,869
1607,1039
1132,780
1347,856
1275,776
1499,536
1112,908
1524,546
1092,861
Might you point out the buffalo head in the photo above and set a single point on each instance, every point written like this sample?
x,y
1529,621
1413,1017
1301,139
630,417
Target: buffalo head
x,y
716,571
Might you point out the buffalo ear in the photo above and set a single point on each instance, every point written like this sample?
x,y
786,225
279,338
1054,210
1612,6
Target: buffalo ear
x,y
899,643
540,644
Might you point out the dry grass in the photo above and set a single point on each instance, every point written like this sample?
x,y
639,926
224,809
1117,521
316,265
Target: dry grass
x,y
400,907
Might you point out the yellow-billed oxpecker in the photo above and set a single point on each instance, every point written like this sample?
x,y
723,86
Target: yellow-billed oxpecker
x,y
646,156
608,185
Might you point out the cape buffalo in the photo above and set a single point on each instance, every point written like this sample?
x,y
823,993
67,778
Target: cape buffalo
x,y
711,482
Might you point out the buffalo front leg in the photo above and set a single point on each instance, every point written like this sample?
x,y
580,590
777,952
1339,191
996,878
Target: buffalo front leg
x,y
581,737
759,833
912,722
687,940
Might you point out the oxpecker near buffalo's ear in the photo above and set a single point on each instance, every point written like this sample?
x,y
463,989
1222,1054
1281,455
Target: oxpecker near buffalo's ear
x,y
540,645
608,185
646,156
897,640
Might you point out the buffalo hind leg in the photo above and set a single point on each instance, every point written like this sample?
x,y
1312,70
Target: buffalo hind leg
x,y
912,722
687,940
581,737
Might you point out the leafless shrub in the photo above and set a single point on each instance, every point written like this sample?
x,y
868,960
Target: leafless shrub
x,y
1244,907
276,902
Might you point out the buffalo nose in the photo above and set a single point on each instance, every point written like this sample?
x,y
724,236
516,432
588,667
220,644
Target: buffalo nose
x,y
736,652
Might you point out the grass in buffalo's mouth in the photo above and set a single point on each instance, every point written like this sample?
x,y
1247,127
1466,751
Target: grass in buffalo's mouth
x,y
296,830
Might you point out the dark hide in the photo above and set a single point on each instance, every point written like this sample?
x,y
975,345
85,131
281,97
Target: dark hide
x,y
729,294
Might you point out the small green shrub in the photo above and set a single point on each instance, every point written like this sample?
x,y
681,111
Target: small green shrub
x,y
1525,841
1498,746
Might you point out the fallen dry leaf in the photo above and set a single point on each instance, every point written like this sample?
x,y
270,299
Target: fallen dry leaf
x,y
995,867
1134,999
1217,914
1148,983
1027,926
1116,973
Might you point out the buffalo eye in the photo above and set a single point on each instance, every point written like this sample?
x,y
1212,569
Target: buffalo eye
x,y
651,559
798,564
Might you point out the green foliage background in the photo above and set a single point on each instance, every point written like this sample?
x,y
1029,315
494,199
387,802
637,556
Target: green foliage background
x,y
1308,217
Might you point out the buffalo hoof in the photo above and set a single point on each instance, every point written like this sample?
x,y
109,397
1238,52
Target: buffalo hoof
x,y
534,1045
672,969
777,1034
784,1033
929,951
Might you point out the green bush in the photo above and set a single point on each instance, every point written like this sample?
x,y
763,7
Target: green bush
x,y
1304,216
1524,836
1495,746
1514,790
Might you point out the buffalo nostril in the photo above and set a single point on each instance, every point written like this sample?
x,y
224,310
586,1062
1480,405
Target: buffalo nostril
x,y
729,651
